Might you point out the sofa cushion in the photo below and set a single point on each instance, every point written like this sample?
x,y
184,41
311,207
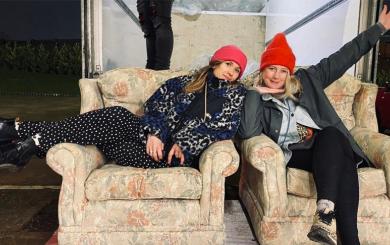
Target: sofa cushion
x,y
341,95
117,182
141,214
372,183
131,87
373,210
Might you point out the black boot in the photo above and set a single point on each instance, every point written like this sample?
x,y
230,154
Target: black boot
x,y
17,157
7,146
8,133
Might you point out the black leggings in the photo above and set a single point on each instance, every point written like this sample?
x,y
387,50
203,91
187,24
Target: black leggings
x,y
114,130
155,20
332,162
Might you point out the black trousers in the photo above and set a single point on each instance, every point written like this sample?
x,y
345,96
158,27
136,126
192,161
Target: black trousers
x,y
155,20
333,164
114,130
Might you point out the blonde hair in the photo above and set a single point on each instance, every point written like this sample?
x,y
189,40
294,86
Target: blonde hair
x,y
199,77
292,87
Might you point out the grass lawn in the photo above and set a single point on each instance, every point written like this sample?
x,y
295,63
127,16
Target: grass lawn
x,y
29,83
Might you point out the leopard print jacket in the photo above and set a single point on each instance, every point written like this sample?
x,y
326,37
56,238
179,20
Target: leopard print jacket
x,y
165,117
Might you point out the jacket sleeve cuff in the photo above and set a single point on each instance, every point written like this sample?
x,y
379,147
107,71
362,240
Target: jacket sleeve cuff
x,y
382,27
160,133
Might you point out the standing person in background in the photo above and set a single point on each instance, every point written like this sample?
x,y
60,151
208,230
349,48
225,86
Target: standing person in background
x,y
155,20
293,110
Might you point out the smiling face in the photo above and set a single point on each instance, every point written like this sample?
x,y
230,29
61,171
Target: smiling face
x,y
227,70
275,76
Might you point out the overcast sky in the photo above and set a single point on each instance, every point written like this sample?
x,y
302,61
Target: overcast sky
x,y
40,19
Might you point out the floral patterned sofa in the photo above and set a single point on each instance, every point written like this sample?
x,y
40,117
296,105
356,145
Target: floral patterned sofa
x,y
281,201
102,203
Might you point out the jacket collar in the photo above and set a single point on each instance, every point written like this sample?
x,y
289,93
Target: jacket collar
x,y
270,98
215,83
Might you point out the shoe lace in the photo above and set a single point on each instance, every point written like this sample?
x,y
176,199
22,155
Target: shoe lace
x,y
326,217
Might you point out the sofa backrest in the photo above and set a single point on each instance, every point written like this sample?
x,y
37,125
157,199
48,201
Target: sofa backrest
x,y
131,87
341,94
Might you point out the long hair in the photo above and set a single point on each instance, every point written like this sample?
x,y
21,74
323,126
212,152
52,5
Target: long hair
x,y
199,77
292,87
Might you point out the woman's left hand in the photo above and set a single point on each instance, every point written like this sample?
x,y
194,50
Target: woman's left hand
x,y
266,90
384,18
177,152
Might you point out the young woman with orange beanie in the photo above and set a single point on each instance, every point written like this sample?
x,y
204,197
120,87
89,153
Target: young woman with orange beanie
x,y
293,110
181,119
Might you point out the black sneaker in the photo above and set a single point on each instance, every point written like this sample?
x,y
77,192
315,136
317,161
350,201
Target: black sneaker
x,y
323,229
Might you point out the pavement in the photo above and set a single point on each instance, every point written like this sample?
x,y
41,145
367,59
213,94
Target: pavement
x,y
29,198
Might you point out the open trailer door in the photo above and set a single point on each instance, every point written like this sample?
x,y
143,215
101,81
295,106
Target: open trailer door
x,y
111,35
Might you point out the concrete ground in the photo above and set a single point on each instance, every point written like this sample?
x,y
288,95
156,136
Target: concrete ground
x,y
29,198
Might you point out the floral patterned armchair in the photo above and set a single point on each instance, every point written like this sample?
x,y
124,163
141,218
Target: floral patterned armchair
x,y
102,203
281,201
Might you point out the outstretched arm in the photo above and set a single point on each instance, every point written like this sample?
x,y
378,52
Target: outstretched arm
x,y
333,67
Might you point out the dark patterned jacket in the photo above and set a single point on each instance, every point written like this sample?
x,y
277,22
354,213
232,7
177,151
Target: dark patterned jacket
x,y
177,117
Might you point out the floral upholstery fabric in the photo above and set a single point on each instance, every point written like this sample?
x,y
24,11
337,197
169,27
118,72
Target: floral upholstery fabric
x,y
141,215
90,95
115,182
341,94
281,201
131,87
372,182
251,79
103,203
121,237
364,107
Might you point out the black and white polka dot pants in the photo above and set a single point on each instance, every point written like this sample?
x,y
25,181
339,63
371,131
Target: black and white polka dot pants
x,y
114,130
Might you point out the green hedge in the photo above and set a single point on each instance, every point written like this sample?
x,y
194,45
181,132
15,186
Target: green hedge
x,y
58,57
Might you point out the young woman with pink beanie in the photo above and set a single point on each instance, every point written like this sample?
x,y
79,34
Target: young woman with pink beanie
x,y
293,110
181,119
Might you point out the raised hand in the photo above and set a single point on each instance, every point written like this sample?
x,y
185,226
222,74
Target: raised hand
x,y
154,147
177,152
384,18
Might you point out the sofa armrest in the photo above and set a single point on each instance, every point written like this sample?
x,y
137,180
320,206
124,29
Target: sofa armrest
x,y
364,107
264,174
217,162
91,98
376,146
74,163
